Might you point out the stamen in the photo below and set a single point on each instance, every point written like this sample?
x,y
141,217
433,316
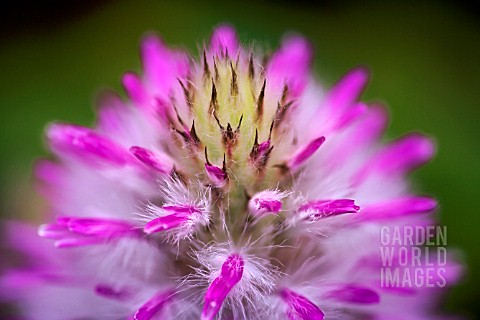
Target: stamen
x,y
231,273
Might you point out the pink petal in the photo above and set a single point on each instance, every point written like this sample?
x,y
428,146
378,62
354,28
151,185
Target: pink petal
x,y
319,209
216,175
269,201
290,65
135,89
153,306
363,135
162,66
347,90
230,275
49,172
266,205
304,153
400,157
96,226
155,161
224,41
165,223
353,293
109,292
396,208
299,307
85,144
75,242
70,232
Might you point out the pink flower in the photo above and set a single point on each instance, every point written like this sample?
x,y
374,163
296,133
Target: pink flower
x,y
222,188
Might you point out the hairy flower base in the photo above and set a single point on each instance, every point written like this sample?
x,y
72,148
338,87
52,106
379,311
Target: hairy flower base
x,y
223,188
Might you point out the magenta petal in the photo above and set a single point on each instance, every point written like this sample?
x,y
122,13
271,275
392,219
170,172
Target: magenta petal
x,y
75,242
135,89
98,227
231,273
405,154
157,62
291,65
109,292
165,223
263,148
53,231
397,208
180,209
398,158
111,115
267,201
370,127
159,163
224,41
153,306
347,90
85,144
354,294
70,232
162,66
319,209
216,175
305,153
266,205
351,115
299,307
49,172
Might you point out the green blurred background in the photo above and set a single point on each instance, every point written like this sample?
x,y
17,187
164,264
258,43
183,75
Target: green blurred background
x,y
55,56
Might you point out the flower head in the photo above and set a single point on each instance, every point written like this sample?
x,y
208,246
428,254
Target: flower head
x,y
222,187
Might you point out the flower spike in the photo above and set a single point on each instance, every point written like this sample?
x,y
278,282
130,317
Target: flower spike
x,y
211,176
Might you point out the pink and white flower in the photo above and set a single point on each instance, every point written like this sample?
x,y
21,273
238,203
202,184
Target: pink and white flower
x,y
222,188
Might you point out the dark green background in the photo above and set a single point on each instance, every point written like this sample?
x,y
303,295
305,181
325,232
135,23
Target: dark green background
x,y
424,56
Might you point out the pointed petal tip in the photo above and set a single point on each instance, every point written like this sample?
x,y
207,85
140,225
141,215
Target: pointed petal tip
x,y
303,154
85,144
231,273
424,204
300,46
348,89
133,86
159,163
165,223
353,293
224,40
